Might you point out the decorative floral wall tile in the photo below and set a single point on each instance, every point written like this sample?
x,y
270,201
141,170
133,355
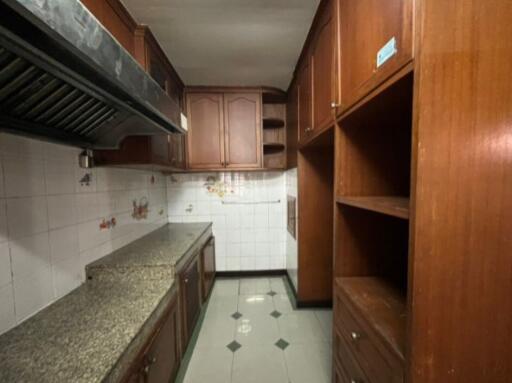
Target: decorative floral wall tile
x,y
48,202
247,210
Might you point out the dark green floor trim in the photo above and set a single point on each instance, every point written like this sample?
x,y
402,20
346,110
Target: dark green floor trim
x,y
247,274
297,304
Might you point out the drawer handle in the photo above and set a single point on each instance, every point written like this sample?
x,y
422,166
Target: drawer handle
x,y
147,368
355,336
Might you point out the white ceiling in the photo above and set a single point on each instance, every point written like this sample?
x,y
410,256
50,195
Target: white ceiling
x,y
229,42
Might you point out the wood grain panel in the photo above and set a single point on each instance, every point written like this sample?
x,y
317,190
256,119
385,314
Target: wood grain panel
x,y
461,323
205,139
322,62
305,102
365,27
315,234
242,123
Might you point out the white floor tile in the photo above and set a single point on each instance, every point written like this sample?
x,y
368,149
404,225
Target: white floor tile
x,y
258,364
325,319
250,286
307,358
282,304
300,327
216,332
226,287
222,305
277,285
308,363
211,365
255,304
258,329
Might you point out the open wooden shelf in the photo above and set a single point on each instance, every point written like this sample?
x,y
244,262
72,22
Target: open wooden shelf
x,y
273,123
394,206
382,305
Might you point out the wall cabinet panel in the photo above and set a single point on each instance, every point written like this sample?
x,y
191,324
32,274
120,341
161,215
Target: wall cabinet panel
x,y
322,62
368,27
206,130
242,123
304,89
224,130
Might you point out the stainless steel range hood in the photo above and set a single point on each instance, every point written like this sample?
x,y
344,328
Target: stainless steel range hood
x,y
64,78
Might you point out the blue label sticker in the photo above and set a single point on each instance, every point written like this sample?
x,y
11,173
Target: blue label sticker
x,y
386,52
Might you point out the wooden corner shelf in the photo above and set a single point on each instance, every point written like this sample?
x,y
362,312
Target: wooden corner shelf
x,y
273,123
382,305
394,206
273,147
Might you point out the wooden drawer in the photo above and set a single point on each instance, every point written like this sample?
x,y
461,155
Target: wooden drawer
x,y
347,369
376,360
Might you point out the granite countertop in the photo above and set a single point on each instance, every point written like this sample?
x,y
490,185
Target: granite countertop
x,y
163,247
93,333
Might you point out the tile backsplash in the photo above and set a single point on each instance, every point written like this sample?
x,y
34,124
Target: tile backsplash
x,y
291,242
248,211
55,218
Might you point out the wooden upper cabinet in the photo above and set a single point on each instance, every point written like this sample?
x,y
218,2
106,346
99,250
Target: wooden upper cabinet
x,y
206,130
304,95
375,39
322,63
242,116
116,19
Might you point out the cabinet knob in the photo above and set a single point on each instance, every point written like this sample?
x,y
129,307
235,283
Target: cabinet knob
x,y
186,280
356,381
308,129
355,336
335,105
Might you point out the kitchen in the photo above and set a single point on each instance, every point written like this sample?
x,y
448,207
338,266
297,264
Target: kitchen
x,y
254,191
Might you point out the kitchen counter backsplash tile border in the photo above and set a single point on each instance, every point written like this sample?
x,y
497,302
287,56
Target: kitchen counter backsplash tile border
x,y
250,230
51,215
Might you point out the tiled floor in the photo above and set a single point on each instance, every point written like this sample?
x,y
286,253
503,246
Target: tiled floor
x,y
251,334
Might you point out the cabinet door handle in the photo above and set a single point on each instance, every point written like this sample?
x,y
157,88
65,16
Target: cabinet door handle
x,y
355,336
335,105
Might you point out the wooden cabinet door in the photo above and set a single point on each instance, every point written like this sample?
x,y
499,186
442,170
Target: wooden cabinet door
x,y
191,300
366,26
116,19
163,358
205,130
322,69
242,124
304,81
177,150
208,267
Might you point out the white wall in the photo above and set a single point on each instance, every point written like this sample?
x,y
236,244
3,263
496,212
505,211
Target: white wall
x,y
49,221
291,243
248,236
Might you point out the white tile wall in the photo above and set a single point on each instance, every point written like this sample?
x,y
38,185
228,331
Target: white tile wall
x,y
49,221
248,237
291,243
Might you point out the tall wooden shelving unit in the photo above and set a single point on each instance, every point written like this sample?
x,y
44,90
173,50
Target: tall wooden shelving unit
x,y
371,231
423,191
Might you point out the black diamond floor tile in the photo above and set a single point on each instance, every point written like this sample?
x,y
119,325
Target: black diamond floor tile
x,y
282,344
234,346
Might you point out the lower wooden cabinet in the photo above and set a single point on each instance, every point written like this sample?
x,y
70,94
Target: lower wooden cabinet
x,y
190,282
160,360
207,268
